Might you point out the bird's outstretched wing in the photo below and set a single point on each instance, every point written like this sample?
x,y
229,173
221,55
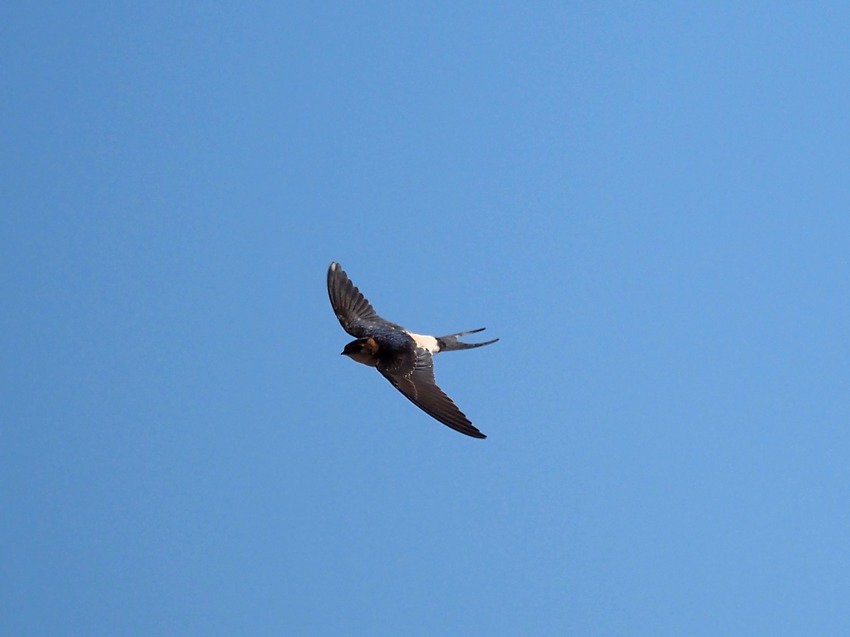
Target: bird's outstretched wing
x,y
354,312
413,376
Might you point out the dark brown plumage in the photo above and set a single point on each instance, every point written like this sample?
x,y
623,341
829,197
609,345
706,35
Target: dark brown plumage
x,y
404,358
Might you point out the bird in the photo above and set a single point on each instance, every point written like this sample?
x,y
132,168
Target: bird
x,y
401,356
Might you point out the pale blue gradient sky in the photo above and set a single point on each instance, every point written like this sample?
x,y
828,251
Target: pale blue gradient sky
x,y
649,205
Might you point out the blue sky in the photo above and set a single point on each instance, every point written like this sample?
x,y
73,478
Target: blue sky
x,y
649,205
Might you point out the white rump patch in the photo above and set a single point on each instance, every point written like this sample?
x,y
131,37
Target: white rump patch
x,y
425,342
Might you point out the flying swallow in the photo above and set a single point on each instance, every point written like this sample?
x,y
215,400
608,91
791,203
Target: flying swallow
x,y
404,358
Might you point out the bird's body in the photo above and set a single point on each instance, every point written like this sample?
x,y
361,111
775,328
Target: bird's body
x,y
403,357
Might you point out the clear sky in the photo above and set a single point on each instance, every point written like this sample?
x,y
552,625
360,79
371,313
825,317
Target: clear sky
x,y
648,203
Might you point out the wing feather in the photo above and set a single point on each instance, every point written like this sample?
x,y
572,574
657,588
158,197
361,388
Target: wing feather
x,y
354,312
415,379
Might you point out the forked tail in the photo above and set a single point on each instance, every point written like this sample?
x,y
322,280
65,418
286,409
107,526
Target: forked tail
x,y
452,342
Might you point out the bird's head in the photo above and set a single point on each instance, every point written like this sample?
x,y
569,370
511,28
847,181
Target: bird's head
x,y
363,350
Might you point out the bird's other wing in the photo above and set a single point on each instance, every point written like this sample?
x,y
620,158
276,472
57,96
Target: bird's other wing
x,y
413,376
354,312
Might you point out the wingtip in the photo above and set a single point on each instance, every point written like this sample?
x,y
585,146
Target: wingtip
x,y
335,272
